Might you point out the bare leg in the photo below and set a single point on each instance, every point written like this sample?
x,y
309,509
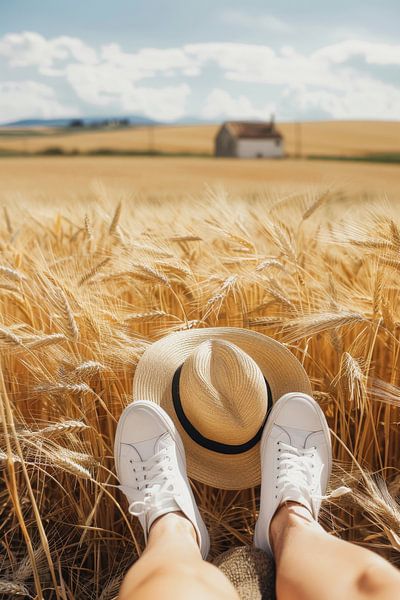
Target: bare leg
x,y
171,567
313,565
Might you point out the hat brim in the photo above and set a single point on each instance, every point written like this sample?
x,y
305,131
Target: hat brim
x,y
153,381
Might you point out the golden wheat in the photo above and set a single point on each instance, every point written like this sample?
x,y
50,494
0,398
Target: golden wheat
x,y
89,299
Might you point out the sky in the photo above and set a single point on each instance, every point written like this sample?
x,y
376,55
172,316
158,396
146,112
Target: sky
x,y
209,59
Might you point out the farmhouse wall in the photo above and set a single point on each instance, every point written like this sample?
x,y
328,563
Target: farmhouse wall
x,y
272,148
225,144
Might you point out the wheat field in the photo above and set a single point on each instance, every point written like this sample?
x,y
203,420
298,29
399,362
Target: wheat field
x,y
345,138
85,287
66,180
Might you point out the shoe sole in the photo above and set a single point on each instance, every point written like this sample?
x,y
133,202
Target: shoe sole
x,y
170,426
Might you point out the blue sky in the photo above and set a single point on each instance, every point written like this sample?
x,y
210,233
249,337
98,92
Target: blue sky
x,y
176,59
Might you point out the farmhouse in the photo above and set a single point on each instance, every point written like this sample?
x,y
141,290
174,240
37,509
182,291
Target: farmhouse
x,y
246,139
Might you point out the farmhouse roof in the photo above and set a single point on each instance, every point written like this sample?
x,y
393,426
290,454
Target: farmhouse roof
x,y
252,129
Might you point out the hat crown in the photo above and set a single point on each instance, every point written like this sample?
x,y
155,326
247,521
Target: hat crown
x,y
223,392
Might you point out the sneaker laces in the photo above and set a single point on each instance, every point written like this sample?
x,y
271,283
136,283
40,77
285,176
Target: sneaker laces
x,y
298,474
153,479
295,466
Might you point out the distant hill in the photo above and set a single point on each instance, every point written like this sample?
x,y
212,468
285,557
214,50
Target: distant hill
x,y
133,120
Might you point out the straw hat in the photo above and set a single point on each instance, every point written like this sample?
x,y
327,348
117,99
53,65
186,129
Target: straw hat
x,y
217,384
250,570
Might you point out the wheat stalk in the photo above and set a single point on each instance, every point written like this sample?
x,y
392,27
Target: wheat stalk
x,y
269,262
110,591
12,274
67,313
56,388
149,273
313,324
7,220
46,340
56,429
314,206
115,219
355,380
62,460
8,337
13,588
145,316
93,271
4,457
88,228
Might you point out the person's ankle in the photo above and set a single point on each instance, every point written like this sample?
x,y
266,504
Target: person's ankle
x,y
288,514
175,522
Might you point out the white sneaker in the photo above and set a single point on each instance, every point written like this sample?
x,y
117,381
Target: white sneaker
x,y
151,467
296,460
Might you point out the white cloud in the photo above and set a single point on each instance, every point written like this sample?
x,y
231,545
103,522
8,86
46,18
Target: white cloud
x,y
220,104
263,21
365,99
25,99
108,78
326,79
108,85
261,64
28,48
166,104
323,81
98,85
147,62
373,53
